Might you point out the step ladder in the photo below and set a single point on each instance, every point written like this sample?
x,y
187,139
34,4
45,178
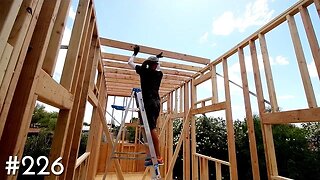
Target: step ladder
x,y
137,95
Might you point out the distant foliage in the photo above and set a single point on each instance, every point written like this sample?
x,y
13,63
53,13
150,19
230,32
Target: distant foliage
x,y
297,148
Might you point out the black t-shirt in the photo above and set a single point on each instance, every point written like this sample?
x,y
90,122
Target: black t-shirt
x,y
150,82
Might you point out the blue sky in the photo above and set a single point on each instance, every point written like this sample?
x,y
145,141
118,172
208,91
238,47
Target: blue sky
x,y
208,29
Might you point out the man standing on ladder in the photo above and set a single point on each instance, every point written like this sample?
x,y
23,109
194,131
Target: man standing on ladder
x,y
150,80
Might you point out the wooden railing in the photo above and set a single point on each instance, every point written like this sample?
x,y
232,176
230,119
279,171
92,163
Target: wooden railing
x,y
204,168
81,167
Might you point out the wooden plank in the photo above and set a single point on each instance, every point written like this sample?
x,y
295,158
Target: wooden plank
x,y
214,84
14,134
186,142
52,93
317,4
56,37
130,87
266,129
19,38
96,135
311,35
112,64
109,140
249,118
210,108
153,51
212,159
177,149
280,178
92,98
4,60
132,72
229,121
301,62
88,58
268,73
193,99
136,78
218,171
76,35
8,12
202,78
136,83
177,66
82,159
294,116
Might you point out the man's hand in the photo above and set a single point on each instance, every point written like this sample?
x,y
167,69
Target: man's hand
x,y
136,49
159,55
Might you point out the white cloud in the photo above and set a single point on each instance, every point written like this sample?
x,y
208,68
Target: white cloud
x,y
279,60
72,13
204,38
286,97
312,69
66,36
257,13
225,24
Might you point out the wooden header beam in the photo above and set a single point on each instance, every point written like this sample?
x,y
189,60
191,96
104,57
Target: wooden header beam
x,y
123,58
165,71
132,72
136,78
154,51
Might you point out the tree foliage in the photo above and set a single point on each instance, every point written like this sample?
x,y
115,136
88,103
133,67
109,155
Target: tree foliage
x,y
297,147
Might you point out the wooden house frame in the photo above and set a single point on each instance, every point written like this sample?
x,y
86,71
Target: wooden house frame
x,y
30,40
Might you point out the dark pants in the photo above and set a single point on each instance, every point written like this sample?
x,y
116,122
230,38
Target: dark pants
x,y
152,108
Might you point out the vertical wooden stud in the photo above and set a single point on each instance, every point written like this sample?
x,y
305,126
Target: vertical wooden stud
x,y
268,73
311,35
249,119
266,129
214,85
301,62
229,121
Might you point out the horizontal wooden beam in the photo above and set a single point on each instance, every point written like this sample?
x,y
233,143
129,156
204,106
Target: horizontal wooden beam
x,y
136,78
177,66
280,178
52,93
177,115
210,108
202,78
123,93
111,64
212,159
92,98
132,72
154,51
294,116
136,83
130,86
116,88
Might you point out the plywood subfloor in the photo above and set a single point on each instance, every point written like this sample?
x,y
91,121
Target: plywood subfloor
x,y
127,176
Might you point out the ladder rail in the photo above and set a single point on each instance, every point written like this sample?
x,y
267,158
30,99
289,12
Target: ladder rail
x,y
149,137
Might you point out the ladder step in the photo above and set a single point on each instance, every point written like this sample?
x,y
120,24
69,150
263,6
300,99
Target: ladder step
x,y
122,108
136,89
129,152
129,158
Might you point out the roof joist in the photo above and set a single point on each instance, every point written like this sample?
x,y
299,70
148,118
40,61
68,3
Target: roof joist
x,y
132,72
154,51
136,78
165,71
177,66
136,83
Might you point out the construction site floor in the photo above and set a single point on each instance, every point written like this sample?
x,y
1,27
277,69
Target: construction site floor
x,y
127,176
